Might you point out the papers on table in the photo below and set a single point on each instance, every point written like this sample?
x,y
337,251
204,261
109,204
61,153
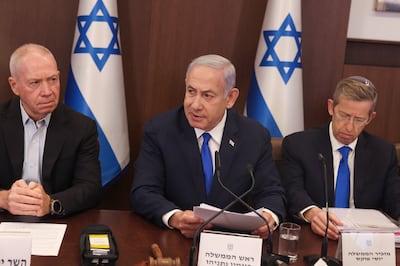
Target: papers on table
x,y
46,238
229,220
366,220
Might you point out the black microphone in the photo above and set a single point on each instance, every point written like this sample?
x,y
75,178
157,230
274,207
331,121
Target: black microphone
x,y
193,250
269,258
312,259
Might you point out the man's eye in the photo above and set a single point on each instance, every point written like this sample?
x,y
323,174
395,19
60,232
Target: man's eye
x,y
34,83
360,120
53,80
190,91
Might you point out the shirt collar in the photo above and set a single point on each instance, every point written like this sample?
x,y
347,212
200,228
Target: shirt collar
x,y
217,132
26,118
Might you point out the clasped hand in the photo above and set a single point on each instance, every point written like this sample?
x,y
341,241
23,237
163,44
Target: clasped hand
x,y
27,199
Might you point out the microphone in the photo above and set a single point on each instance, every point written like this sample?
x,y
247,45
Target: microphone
x,y
313,259
193,250
270,258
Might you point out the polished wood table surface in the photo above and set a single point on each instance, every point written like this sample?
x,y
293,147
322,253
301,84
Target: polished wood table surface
x,y
135,235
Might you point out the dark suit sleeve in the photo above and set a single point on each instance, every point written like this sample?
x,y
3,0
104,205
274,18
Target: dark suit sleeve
x,y
268,190
392,188
301,174
71,167
148,190
378,183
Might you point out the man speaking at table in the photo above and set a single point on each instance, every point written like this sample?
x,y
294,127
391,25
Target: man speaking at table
x,y
48,152
170,175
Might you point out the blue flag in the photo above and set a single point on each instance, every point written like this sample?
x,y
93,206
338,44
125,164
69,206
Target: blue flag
x,y
275,97
96,83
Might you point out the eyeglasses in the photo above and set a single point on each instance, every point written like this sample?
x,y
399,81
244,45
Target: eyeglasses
x,y
357,121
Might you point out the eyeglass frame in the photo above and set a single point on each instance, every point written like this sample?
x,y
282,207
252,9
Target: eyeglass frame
x,y
356,121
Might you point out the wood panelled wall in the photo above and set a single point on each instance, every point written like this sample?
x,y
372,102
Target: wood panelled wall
x,y
160,37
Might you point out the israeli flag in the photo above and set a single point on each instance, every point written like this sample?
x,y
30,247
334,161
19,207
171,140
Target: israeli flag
x,y
96,83
275,97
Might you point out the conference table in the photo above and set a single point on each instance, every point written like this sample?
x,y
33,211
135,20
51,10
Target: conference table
x,y
135,236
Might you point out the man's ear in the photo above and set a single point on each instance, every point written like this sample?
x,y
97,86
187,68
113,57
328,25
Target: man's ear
x,y
13,85
330,106
232,97
371,117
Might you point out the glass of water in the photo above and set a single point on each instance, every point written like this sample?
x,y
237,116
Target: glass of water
x,y
289,235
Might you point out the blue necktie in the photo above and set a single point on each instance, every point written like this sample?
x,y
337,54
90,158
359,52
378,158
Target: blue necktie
x,y
343,180
207,162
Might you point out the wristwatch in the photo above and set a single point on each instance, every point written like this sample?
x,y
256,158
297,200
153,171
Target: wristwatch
x,y
56,207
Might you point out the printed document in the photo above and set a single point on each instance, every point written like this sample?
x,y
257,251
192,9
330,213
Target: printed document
x,y
355,219
46,237
229,220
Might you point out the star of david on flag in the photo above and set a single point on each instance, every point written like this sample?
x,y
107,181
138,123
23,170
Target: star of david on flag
x,y
271,58
96,83
101,16
275,97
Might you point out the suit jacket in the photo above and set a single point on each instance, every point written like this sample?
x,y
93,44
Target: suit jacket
x,y
169,174
376,179
70,170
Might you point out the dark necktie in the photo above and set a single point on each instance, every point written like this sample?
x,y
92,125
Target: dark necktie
x,y
207,162
343,180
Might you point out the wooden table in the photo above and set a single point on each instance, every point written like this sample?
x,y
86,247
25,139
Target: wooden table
x,y
135,235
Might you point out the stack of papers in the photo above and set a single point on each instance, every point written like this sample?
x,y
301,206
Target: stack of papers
x,y
229,220
46,237
366,220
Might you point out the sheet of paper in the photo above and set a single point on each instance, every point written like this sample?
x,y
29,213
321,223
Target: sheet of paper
x,y
46,237
355,219
230,220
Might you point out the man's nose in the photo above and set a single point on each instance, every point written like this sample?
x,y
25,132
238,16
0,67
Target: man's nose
x,y
197,101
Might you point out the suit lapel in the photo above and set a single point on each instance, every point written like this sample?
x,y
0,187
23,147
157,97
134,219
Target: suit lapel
x,y
229,143
189,147
54,142
361,162
227,152
325,148
14,137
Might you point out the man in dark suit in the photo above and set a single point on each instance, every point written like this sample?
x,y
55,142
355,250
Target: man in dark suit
x,y
169,177
372,162
48,152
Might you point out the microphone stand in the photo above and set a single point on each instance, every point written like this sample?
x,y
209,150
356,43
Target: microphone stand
x,y
312,259
193,250
269,258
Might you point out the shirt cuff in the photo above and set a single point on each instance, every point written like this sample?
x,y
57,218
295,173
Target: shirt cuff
x,y
165,217
301,213
274,216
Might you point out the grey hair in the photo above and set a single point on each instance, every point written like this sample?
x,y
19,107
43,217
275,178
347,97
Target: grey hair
x,y
217,62
24,50
356,88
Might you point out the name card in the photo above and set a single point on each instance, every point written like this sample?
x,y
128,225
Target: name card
x,y
221,248
15,248
367,248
